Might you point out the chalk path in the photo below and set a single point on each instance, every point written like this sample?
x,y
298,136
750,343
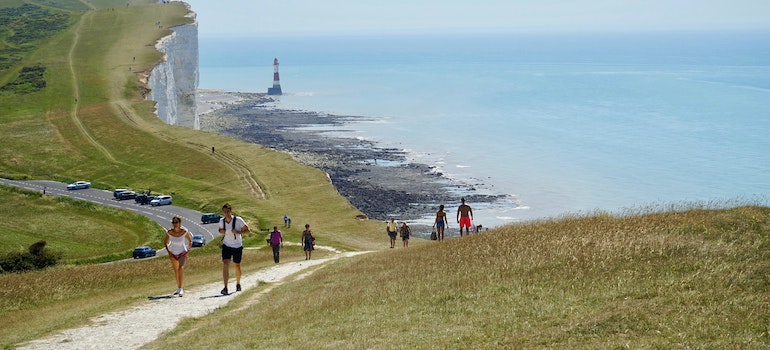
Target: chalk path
x,y
142,324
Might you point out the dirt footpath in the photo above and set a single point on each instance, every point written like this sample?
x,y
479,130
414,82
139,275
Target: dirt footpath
x,y
142,324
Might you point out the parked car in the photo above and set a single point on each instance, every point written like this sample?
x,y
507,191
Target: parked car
x,y
208,218
161,200
117,191
126,195
78,185
198,241
143,252
143,198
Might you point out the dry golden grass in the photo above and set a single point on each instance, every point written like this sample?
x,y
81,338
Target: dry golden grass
x,y
693,279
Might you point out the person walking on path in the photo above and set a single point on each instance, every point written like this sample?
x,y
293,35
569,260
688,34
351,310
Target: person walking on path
x,y
308,241
178,242
276,242
406,231
441,223
391,228
232,228
464,216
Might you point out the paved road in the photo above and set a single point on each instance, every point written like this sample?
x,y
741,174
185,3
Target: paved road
x,y
191,219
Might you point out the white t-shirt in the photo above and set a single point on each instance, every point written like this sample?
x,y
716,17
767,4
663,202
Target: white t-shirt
x,y
233,239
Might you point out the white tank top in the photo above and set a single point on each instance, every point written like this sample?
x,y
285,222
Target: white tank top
x,y
178,245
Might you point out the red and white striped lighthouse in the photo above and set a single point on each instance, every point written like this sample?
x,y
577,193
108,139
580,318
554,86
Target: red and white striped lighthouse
x,y
276,89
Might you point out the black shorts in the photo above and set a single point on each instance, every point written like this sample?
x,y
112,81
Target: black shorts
x,y
232,253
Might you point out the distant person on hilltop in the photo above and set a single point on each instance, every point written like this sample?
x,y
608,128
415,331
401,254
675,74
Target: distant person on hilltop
x,y
464,216
391,228
441,223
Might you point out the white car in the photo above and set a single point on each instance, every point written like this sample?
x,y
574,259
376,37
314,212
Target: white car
x,y
161,200
79,185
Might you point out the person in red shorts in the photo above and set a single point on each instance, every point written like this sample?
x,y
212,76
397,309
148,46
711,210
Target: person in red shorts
x,y
464,216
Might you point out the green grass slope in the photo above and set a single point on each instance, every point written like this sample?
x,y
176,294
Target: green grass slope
x,y
81,231
91,122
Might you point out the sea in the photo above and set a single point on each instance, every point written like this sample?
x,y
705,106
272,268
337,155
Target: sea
x,y
559,124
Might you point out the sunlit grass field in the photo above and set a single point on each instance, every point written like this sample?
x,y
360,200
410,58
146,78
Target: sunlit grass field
x,y
80,230
689,276
682,280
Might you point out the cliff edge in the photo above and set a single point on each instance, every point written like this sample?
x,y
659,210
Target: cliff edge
x,y
174,81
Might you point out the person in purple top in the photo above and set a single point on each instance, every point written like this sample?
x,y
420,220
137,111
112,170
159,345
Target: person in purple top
x,y
276,242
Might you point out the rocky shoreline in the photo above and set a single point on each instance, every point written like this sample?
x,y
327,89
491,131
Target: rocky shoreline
x,y
378,181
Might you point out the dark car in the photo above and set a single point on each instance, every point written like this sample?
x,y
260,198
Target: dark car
x,y
117,191
143,198
143,252
210,217
126,195
198,241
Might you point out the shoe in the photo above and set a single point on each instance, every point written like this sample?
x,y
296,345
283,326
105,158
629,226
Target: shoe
x,y
224,291
237,287
181,292
177,291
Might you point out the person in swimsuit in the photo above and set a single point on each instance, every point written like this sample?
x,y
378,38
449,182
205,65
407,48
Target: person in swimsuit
x,y
464,216
441,223
178,243
308,241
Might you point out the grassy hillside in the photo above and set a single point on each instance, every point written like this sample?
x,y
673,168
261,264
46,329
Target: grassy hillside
x,y
91,122
676,280
679,279
81,231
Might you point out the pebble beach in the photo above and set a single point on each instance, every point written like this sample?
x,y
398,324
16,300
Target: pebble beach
x,y
378,181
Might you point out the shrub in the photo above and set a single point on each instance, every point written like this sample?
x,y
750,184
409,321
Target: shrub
x,y
37,257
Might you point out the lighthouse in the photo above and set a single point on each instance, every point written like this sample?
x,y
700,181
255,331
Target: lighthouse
x,y
276,89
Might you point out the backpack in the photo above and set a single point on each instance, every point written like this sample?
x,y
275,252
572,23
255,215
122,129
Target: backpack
x,y
224,224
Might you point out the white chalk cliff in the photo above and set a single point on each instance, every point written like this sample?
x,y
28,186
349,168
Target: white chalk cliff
x,y
174,81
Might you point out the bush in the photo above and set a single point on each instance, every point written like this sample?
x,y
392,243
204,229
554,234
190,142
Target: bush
x,y
36,258
30,79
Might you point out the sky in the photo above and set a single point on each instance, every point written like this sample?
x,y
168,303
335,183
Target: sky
x,y
303,17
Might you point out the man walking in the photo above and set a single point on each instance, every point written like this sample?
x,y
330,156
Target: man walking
x,y
232,228
391,229
464,216
276,242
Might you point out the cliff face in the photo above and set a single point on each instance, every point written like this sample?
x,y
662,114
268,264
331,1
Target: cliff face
x,y
174,82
